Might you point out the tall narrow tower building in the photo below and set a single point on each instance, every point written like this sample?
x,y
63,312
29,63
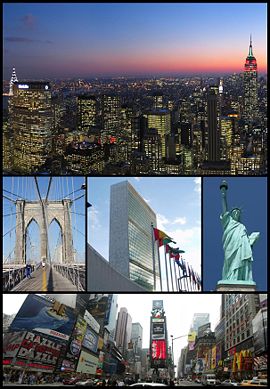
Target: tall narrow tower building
x,y
250,87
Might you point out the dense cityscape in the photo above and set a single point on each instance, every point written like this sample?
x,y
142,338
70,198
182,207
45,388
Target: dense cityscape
x,y
90,338
135,194
142,126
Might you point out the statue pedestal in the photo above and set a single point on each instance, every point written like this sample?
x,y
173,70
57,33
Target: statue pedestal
x,y
236,286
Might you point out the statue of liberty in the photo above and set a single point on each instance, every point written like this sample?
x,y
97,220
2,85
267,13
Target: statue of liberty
x,y
237,244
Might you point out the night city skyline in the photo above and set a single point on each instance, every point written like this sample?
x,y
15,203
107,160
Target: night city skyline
x,y
105,40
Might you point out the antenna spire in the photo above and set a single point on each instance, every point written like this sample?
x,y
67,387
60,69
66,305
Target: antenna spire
x,y
250,53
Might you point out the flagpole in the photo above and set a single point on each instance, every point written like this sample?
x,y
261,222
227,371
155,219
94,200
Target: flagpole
x,y
171,273
189,277
167,278
153,257
159,267
177,286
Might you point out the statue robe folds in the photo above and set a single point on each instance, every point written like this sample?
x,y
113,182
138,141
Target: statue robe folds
x,y
237,249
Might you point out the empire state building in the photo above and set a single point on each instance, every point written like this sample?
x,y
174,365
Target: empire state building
x,y
250,88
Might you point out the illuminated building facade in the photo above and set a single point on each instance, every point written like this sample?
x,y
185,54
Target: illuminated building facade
x,y
111,117
87,113
213,130
31,123
130,248
12,80
250,87
226,136
158,336
160,120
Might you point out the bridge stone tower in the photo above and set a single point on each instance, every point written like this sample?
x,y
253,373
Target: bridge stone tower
x,y
44,214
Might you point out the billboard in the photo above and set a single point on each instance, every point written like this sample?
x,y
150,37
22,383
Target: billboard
x,y
41,315
33,351
91,321
87,363
158,349
191,340
98,306
158,330
90,340
70,358
11,343
200,365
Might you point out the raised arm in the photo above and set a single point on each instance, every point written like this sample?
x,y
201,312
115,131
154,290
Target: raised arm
x,y
223,188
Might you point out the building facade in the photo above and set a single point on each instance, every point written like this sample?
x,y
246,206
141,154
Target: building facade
x,y
131,245
31,123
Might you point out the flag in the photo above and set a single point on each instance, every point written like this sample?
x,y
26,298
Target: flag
x,y
162,237
183,266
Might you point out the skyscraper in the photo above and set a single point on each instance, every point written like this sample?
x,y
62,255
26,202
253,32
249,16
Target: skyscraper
x,y
31,124
213,130
199,319
123,329
111,117
12,80
87,113
161,120
136,336
130,250
250,87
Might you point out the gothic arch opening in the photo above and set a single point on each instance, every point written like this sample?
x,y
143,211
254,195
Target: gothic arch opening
x,y
32,242
56,241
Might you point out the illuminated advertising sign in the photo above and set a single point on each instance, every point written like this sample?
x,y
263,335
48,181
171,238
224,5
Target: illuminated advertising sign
x,y
41,315
23,86
79,330
158,330
214,357
11,343
90,340
158,349
39,349
91,321
157,320
87,363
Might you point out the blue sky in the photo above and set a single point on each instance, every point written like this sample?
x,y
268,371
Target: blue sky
x,y
83,39
176,201
25,188
250,194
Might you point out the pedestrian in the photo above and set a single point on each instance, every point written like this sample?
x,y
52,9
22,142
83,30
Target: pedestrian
x,y
28,271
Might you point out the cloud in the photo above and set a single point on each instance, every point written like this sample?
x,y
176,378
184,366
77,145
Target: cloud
x,y
18,39
137,178
197,182
94,221
162,221
180,220
29,21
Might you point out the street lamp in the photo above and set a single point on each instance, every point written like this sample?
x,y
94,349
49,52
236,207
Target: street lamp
x,y
178,337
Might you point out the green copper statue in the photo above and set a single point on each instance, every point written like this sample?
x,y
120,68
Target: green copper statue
x,y
237,244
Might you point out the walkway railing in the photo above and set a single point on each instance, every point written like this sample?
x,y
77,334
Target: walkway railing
x,y
75,273
12,276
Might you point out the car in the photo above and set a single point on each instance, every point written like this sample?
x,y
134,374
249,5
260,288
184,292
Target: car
x,y
88,382
254,382
71,380
138,384
229,383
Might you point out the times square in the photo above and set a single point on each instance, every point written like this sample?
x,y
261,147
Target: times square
x,y
92,340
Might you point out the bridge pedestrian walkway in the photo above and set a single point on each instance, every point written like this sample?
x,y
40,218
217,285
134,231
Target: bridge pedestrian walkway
x,y
45,280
